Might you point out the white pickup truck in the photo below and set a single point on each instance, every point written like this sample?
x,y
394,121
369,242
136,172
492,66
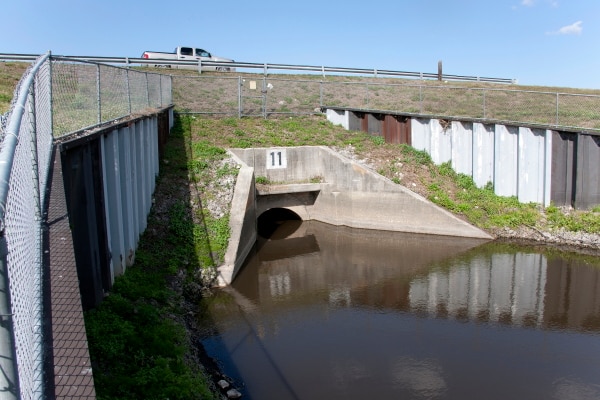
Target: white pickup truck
x,y
189,54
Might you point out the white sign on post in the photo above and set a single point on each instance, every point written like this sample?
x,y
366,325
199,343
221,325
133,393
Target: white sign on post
x,y
276,158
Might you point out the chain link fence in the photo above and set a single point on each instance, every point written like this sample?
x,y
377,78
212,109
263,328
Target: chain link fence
x,y
54,98
24,158
263,96
87,94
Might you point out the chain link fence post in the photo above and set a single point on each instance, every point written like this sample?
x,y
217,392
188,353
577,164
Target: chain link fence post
x,y
9,377
148,102
127,83
35,175
483,101
557,109
240,88
99,99
264,97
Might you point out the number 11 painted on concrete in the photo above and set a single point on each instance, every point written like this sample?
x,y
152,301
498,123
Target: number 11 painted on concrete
x,y
276,158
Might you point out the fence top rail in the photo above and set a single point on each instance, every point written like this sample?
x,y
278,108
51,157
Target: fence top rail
x,y
92,62
267,66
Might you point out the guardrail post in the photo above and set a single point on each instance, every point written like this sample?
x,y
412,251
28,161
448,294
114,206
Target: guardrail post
x,y
200,66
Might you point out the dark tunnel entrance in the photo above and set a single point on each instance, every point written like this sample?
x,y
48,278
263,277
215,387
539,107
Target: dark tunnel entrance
x,y
278,223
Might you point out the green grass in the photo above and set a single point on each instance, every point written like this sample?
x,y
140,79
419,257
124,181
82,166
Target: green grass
x,y
138,350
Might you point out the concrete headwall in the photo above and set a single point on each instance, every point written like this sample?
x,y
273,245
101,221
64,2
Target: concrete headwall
x,y
349,194
242,223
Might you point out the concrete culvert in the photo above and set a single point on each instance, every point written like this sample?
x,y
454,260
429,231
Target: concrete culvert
x,y
278,223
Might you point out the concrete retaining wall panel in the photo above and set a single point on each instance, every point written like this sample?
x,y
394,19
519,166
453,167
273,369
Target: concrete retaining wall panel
x,y
130,166
441,142
126,181
462,147
338,117
113,199
421,134
531,165
548,168
483,154
506,141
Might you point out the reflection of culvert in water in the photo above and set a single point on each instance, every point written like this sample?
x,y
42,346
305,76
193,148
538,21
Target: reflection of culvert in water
x,y
278,223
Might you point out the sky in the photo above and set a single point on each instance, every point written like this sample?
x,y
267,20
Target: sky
x,y
537,42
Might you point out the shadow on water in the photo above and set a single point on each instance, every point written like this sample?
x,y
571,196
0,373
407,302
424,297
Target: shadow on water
x,y
333,312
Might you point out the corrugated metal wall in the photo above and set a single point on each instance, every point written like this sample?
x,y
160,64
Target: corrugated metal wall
x,y
564,150
82,166
534,164
109,180
587,193
396,129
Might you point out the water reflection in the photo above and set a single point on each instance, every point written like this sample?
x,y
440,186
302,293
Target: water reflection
x,y
423,274
519,289
329,312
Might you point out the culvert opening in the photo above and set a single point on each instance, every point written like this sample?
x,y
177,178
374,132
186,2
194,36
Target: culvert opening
x,y
278,223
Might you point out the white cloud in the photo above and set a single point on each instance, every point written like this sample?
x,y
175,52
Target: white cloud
x,y
573,29
531,3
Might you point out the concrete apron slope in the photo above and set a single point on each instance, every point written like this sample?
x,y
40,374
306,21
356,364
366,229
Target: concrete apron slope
x,y
348,194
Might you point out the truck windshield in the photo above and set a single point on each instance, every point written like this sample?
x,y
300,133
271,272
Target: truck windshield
x,y
202,53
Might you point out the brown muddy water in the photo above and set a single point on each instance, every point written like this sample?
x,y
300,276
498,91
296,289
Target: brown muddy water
x,y
323,312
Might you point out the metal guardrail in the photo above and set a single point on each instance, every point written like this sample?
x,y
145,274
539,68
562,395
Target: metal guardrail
x,y
266,67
